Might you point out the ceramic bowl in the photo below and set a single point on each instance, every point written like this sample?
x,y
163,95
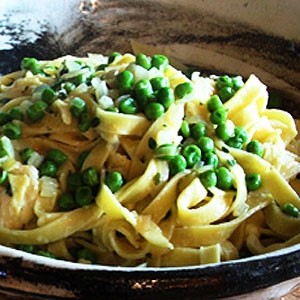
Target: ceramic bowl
x,y
233,36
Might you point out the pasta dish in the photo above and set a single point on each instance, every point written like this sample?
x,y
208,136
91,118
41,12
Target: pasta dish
x,y
125,160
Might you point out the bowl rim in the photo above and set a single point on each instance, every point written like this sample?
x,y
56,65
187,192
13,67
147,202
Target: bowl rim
x,y
8,252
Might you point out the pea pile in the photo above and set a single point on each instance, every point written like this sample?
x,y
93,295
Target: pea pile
x,y
197,149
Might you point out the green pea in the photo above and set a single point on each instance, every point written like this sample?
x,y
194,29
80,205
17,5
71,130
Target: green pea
x,y
241,134
224,81
87,254
159,82
253,181
25,154
128,106
125,81
66,202
177,164
255,147
77,107
74,180
165,96
159,61
143,96
183,89
206,144
113,56
154,110
84,122
185,129
3,176
143,61
48,168
12,131
31,64
218,116
214,103
226,93
37,110
224,131
234,143
114,180
16,113
237,82
5,118
198,130
291,210
57,156
90,176
208,178
192,154
143,84
211,159
45,93
83,196
224,178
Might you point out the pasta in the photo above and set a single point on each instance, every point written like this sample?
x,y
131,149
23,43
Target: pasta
x,y
124,160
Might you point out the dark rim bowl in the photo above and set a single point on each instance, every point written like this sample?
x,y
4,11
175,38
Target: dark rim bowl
x,y
236,37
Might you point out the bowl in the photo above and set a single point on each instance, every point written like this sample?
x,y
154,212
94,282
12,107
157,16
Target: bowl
x,y
234,37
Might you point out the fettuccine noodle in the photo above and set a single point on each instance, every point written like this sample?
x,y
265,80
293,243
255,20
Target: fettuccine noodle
x,y
159,209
